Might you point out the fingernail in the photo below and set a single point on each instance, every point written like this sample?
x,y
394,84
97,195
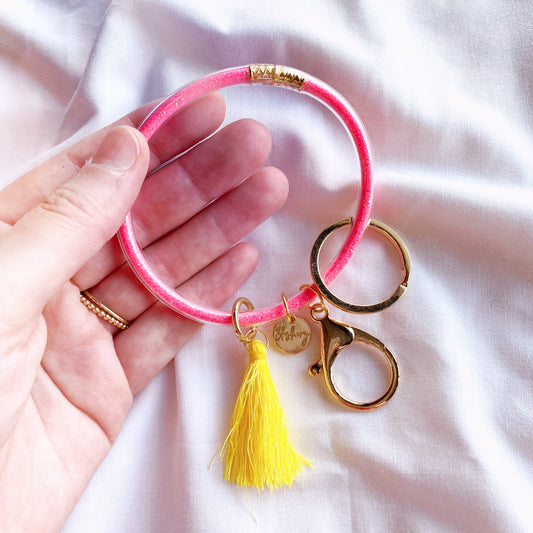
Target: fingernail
x,y
118,151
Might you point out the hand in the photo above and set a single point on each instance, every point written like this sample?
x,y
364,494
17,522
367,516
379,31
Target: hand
x,y
67,378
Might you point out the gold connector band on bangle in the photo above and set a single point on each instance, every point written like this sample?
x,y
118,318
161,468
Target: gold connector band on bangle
x,y
277,75
102,311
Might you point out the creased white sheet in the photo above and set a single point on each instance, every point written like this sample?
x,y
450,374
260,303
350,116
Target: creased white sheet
x,y
445,92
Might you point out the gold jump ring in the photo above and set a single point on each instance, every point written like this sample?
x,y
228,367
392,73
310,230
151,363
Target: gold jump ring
x,y
250,334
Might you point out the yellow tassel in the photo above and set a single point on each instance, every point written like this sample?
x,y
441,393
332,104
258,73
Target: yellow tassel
x,y
257,451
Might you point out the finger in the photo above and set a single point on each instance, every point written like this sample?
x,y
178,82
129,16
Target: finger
x,y
182,131
198,243
51,242
181,189
159,333
188,127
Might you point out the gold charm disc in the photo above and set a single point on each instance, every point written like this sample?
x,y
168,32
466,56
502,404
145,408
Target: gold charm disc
x,y
291,335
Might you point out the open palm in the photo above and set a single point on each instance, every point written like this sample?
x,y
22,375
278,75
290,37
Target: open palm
x,y
67,378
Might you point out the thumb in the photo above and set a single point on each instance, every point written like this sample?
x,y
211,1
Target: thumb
x,y
49,244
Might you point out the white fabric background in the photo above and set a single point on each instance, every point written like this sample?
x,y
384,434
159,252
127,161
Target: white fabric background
x,y
445,92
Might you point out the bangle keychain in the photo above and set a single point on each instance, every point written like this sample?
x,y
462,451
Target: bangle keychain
x,y
257,451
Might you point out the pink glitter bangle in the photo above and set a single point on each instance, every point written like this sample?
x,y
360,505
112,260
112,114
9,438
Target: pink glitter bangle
x,y
270,75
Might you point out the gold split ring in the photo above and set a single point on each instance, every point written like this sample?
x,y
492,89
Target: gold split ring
x,y
392,236
99,309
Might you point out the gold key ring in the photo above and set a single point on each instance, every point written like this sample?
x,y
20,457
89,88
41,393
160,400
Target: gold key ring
x,y
392,236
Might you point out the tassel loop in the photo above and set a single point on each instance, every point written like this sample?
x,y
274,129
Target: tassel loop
x,y
256,351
